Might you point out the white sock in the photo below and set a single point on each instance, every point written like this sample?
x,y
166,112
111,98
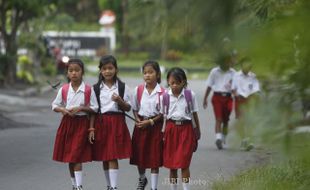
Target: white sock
x,y
107,177
113,177
218,136
73,181
142,176
78,177
186,186
173,186
154,180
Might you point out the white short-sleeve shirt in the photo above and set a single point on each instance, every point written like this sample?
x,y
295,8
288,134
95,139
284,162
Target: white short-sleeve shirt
x,y
150,103
75,99
219,80
106,102
245,85
178,106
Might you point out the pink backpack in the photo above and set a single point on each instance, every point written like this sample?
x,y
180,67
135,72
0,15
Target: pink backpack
x,y
65,89
188,98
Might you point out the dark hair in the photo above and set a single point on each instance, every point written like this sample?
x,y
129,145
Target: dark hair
x,y
75,61
155,66
178,74
106,60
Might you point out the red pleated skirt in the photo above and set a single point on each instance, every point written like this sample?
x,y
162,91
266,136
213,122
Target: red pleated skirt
x,y
71,144
112,138
147,146
179,145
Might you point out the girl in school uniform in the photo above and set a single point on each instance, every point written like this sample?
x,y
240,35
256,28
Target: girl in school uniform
x,y
179,135
109,133
147,135
74,100
244,87
220,81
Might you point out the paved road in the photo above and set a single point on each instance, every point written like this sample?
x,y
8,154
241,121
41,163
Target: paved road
x,y
26,151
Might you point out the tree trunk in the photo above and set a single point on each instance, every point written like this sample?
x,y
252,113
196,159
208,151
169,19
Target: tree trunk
x,y
10,65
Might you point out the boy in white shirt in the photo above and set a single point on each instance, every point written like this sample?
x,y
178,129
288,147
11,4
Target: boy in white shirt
x,y
220,81
244,86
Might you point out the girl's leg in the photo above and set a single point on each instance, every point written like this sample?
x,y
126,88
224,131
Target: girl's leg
x,y
105,166
174,179
71,170
78,174
154,178
185,178
113,172
142,179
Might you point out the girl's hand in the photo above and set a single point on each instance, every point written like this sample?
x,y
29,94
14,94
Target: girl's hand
x,y
197,133
64,111
116,98
75,110
143,124
91,137
205,103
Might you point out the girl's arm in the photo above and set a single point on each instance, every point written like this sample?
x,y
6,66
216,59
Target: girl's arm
x,y
91,129
196,120
121,103
135,113
149,122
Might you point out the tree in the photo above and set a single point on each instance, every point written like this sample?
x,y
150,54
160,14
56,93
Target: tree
x,y
13,14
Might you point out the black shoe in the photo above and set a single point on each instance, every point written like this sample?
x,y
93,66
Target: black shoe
x,y
74,188
219,144
79,187
141,184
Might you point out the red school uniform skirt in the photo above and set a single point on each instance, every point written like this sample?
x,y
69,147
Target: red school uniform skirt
x,y
71,144
222,106
112,138
147,146
179,145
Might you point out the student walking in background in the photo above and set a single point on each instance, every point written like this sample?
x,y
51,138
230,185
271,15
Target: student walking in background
x,y
74,100
108,132
244,87
220,82
147,135
180,137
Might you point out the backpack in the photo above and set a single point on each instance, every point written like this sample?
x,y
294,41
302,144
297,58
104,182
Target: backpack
x,y
140,90
121,92
87,93
188,98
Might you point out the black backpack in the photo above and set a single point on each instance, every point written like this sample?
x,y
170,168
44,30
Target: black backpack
x,y
121,91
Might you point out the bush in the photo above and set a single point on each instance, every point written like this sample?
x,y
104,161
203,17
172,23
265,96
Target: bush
x,y
24,69
48,67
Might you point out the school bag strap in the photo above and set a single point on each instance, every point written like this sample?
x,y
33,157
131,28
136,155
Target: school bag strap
x,y
188,99
87,93
97,93
140,90
121,89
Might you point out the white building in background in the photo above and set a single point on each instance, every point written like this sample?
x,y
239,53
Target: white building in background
x,y
82,43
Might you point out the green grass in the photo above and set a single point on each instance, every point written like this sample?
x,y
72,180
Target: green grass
x,y
284,176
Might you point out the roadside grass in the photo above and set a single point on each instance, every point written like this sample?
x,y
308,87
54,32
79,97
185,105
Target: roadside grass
x,y
289,170
284,176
